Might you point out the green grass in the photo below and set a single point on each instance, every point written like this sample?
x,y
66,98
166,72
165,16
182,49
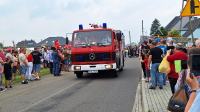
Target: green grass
x,y
43,72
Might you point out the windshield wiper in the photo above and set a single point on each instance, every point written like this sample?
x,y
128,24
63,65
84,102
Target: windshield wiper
x,y
102,44
81,45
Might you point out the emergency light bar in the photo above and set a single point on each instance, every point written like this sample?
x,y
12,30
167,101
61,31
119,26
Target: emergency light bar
x,y
104,25
80,27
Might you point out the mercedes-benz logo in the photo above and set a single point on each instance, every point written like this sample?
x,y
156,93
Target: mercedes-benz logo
x,y
92,56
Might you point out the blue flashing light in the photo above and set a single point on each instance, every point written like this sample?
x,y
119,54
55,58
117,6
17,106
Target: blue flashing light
x,y
104,25
80,27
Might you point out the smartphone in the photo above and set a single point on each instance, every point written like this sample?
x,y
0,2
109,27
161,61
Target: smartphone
x,y
195,64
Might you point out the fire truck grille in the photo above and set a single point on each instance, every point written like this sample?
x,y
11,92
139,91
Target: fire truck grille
x,y
93,57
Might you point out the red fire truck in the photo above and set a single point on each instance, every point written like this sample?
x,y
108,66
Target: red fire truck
x,y
98,49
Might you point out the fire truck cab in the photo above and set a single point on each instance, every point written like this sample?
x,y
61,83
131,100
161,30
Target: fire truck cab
x,y
97,49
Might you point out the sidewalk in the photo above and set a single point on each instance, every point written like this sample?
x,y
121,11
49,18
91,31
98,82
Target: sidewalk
x,y
148,100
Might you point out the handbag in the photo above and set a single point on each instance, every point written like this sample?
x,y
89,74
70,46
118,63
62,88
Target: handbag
x,y
164,66
178,101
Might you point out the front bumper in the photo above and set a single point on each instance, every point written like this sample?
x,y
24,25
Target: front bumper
x,y
93,67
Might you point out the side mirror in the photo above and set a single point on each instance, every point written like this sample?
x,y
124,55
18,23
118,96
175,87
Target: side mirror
x,y
67,40
119,36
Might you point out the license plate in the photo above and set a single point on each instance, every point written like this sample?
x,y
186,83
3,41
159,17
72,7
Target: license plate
x,y
93,71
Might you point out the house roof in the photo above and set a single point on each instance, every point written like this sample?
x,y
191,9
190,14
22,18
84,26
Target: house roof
x,y
195,24
173,23
26,43
50,41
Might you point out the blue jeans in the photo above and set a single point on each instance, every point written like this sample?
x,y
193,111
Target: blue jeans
x,y
156,77
36,68
23,69
56,69
164,78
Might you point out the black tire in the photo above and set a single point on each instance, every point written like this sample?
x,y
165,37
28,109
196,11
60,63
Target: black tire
x,y
121,69
79,74
114,73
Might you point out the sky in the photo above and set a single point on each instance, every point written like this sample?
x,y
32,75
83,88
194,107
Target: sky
x,y
39,19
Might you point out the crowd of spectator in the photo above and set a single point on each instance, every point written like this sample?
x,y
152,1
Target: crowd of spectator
x,y
152,53
28,64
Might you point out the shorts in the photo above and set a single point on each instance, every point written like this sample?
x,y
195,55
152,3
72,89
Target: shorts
x,y
23,69
8,75
36,68
14,70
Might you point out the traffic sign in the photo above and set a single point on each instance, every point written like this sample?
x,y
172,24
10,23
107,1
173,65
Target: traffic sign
x,y
192,8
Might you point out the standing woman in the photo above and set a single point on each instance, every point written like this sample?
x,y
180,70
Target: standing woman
x,y
8,73
30,65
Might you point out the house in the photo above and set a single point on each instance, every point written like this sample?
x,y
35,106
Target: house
x,y
176,23
185,27
26,44
195,29
50,41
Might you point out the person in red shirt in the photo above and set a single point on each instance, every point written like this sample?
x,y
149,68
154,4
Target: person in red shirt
x,y
30,66
178,54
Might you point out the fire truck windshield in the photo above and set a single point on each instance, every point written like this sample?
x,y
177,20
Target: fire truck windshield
x,y
92,38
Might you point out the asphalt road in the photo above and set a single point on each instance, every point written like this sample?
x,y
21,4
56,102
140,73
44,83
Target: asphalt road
x,y
94,93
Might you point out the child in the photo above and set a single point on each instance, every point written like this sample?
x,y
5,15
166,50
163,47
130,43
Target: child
x,y
147,69
8,73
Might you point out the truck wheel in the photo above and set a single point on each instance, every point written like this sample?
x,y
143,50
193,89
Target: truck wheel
x,y
114,73
79,74
121,69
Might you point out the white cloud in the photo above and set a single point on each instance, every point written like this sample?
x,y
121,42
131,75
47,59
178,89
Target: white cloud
x,y
38,19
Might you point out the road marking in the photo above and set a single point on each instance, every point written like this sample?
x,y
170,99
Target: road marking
x,y
42,100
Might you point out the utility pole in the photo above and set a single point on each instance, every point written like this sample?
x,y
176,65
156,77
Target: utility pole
x,y
191,28
129,32
142,28
181,22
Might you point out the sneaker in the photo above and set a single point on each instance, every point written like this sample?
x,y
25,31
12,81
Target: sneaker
x,y
151,87
160,87
25,82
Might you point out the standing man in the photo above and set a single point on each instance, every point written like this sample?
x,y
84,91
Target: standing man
x,y
172,56
46,58
163,46
155,58
23,65
36,62
56,62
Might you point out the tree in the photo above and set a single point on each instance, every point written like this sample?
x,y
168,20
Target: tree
x,y
1,45
174,33
155,27
164,31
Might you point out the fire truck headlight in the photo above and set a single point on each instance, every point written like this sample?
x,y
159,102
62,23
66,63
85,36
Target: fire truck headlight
x,y
77,67
108,66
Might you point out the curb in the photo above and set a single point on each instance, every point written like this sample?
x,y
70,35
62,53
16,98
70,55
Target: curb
x,y
137,107
144,100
